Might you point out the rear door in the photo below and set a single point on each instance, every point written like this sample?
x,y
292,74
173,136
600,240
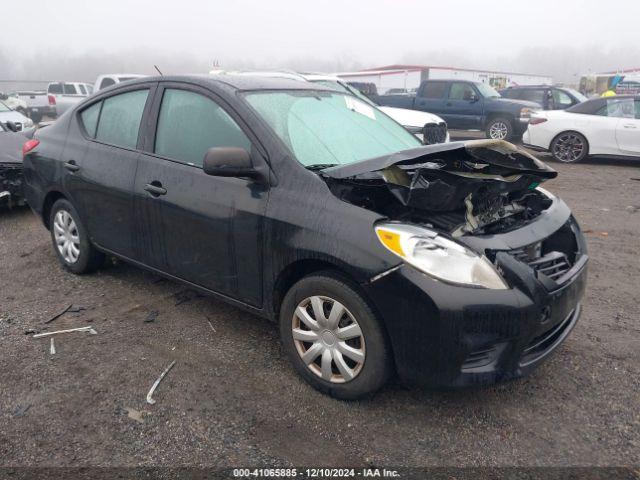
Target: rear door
x,y
100,165
431,96
464,106
203,229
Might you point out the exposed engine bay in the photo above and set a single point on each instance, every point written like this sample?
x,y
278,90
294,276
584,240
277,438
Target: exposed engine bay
x,y
11,184
475,187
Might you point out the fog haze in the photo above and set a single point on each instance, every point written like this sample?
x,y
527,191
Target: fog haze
x,y
78,40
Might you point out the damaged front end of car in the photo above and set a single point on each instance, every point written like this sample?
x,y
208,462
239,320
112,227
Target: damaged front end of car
x,y
11,184
475,187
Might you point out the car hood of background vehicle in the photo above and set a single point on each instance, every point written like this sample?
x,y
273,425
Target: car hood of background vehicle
x,y
411,118
11,147
511,101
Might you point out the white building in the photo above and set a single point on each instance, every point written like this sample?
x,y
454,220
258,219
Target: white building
x,y
410,76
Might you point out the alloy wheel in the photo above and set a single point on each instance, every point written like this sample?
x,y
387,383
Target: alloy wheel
x,y
328,339
498,130
568,148
66,235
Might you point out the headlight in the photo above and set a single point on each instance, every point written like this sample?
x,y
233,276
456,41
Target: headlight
x,y
439,257
526,112
28,123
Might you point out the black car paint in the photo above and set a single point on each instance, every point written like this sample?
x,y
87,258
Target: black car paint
x,y
462,114
266,237
11,144
548,101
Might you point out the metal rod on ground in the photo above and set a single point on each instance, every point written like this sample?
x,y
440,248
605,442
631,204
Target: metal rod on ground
x,y
150,400
89,329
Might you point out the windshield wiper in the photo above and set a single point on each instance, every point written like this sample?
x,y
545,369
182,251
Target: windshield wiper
x,y
320,166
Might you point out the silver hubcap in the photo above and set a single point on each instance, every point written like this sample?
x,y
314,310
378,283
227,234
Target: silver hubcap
x,y
498,130
328,339
66,235
568,148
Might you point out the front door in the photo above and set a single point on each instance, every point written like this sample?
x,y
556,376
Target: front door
x,y
100,166
464,106
628,128
203,229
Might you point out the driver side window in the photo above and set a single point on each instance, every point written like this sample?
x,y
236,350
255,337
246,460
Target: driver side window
x,y
461,91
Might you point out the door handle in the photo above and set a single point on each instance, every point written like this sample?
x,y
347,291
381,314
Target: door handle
x,y
630,126
72,166
155,188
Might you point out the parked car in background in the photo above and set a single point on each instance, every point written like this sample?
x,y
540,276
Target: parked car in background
x,y
14,102
66,94
549,97
11,144
377,255
607,126
20,121
468,105
107,80
39,104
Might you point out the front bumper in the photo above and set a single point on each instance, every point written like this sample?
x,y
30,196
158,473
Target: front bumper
x,y
444,335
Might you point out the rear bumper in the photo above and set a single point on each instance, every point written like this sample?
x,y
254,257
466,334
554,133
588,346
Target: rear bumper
x,y
450,336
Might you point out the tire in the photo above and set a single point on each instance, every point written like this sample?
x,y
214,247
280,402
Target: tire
x,y
364,368
499,128
71,241
569,147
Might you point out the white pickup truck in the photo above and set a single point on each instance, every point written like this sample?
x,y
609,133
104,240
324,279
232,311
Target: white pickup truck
x,y
38,104
67,94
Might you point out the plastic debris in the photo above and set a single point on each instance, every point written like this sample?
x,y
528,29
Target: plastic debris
x,y
52,348
89,329
134,414
150,400
151,317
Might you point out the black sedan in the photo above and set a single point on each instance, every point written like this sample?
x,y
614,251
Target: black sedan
x,y
445,264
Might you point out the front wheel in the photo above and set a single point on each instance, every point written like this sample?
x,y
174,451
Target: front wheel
x,y
569,147
71,241
333,338
499,128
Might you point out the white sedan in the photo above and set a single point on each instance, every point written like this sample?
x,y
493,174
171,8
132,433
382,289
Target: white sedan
x,y
608,126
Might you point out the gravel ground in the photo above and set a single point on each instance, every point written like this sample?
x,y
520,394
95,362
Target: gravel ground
x,y
233,400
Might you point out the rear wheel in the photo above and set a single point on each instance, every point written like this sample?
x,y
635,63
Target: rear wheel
x,y
70,240
569,147
499,128
333,338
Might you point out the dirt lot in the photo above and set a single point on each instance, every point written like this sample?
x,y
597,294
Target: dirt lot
x,y
233,400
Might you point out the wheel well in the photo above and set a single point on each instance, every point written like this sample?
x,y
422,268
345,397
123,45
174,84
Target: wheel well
x,y
295,272
570,131
49,200
493,116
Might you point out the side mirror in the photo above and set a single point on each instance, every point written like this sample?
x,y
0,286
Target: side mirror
x,y
230,162
12,127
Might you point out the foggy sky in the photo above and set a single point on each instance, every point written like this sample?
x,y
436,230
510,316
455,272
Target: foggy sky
x,y
77,40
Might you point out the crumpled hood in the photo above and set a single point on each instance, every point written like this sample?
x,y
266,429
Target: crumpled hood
x,y
443,177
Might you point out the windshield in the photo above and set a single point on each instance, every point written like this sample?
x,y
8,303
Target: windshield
x,y
4,108
326,128
577,95
487,91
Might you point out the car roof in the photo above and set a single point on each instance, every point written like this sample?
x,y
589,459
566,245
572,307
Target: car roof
x,y
238,82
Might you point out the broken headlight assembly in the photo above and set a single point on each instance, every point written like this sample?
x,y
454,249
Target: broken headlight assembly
x,y
439,257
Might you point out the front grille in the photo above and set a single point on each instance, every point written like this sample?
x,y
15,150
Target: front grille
x,y
553,264
544,343
434,133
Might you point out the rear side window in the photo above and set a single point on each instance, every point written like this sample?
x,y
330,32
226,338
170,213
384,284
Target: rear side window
x,y
120,118
107,82
69,89
189,124
55,88
89,118
533,95
434,90
561,99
